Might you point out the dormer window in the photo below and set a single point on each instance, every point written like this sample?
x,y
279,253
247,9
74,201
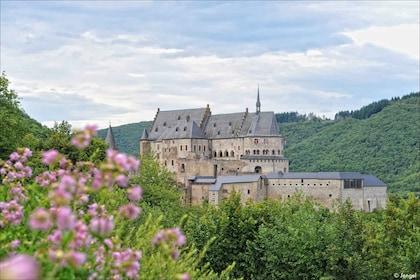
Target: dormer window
x,y
176,129
185,128
164,124
179,117
230,123
156,129
214,125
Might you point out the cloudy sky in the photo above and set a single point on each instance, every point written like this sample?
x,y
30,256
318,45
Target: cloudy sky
x,y
114,61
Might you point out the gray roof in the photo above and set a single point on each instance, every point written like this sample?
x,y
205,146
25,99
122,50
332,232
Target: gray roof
x,y
368,179
144,135
372,181
174,124
110,139
233,179
199,123
202,179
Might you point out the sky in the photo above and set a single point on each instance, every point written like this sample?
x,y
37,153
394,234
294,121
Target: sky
x,y
101,62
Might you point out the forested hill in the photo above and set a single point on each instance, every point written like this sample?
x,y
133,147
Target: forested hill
x,y
385,143
127,136
381,138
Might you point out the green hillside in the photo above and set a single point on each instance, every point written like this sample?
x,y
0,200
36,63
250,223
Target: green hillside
x,y
127,137
385,144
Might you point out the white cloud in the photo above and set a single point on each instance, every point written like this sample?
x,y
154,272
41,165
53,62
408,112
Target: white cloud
x,y
402,38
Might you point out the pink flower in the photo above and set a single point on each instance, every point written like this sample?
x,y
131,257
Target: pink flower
x,y
102,225
184,276
135,193
75,259
66,220
49,157
15,243
40,219
129,211
22,267
14,156
122,180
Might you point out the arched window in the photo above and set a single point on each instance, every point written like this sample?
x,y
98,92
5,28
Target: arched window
x,y
221,154
226,153
215,154
257,169
232,153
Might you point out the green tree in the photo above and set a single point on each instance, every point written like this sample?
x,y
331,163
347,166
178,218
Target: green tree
x,y
11,125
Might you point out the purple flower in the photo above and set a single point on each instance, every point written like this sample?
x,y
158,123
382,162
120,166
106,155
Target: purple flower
x,y
129,211
184,276
102,225
122,180
14,156
135,193
40,219
75,259
15,243
22,267
49,157
66,220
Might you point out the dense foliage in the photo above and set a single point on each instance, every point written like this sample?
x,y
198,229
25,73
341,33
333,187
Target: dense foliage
x,y
298,239
17,129
386,144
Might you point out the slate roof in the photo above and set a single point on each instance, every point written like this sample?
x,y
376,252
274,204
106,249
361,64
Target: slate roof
x,y
177,124
369,180
110,139
202,179
195,123
233,179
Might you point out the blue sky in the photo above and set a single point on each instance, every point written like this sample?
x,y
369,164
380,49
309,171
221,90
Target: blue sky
x,y
94,62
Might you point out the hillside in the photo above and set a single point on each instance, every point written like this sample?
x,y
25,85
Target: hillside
x,y
127,137
384,142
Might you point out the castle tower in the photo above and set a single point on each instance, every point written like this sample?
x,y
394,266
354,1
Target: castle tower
x,y
110,139
258,101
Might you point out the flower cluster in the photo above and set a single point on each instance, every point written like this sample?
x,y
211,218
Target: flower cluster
x,y
170,239
14,173
73,225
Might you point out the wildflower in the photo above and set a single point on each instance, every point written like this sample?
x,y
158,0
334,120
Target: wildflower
x,y
15,243
40,219
102,225
122,180
184,276
66,220
135,193
82,138
49,157
19,266
129,211
75,259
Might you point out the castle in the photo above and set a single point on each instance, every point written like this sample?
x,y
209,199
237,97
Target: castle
x,y
212,155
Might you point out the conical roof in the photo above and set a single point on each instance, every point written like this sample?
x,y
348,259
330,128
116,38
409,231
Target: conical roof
x,y
110,139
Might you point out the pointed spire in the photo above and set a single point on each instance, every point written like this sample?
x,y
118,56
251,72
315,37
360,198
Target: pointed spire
x,y
258,100
110,139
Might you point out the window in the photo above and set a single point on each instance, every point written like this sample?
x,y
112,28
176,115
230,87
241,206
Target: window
x,y
164,124
180,148
255,141
199,148
194,148
156,129
179,117
185,128
172,162
352,183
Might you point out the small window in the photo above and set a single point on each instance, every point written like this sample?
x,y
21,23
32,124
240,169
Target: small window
x,y
179,117
164,124
156,129
249,191
214,125
185,128
176,129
